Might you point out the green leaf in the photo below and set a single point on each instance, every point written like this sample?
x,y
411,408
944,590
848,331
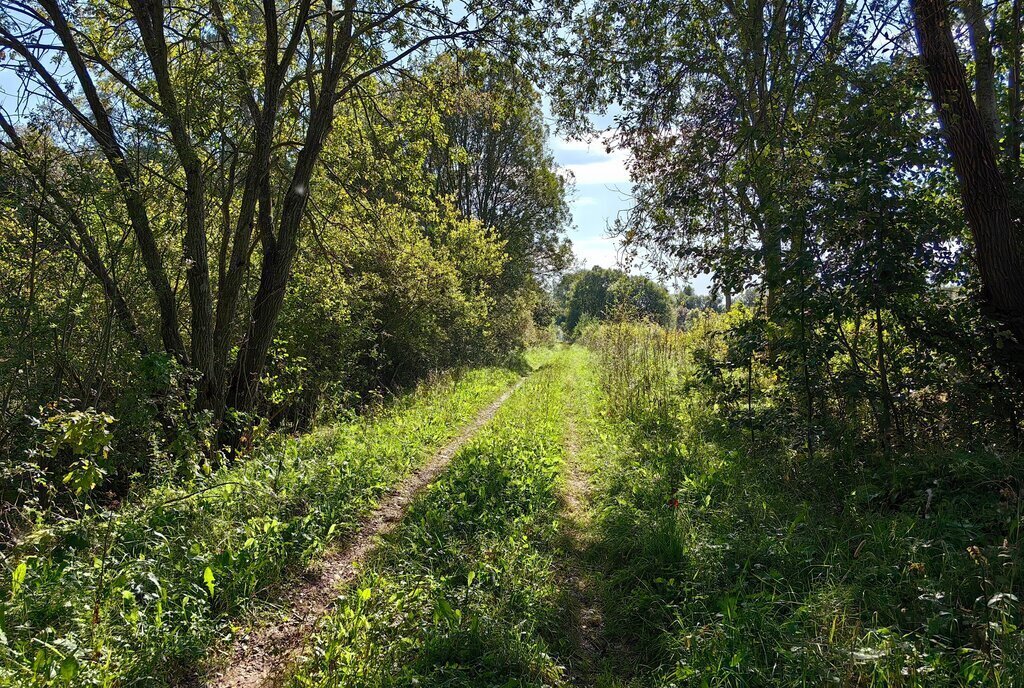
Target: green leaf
x,y
18,578
68,668
209,580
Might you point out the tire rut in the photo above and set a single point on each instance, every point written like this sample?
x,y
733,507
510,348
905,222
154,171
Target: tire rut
x,y
261,659
591,645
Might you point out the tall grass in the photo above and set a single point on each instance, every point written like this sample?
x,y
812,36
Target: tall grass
x,y
728,562
642,367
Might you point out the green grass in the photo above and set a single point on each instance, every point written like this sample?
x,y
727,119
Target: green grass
x,y
139,597
727,564
719,562
466,591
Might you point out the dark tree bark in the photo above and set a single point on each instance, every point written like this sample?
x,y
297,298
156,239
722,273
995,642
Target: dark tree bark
x,y
986,199
256,179
279,252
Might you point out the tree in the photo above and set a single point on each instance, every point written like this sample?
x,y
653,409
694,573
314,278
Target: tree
x,y
585,293
707,95
642,297
971,128
494,162
600,293
216,114
788,148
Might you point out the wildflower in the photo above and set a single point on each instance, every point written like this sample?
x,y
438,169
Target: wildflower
x,y
976,554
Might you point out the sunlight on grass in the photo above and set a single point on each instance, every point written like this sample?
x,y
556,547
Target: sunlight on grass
x,y
464,593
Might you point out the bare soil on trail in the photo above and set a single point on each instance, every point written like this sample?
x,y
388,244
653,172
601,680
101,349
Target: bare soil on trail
x,y
579,579
261,658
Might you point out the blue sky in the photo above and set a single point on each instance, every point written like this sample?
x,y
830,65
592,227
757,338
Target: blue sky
x,y
602,191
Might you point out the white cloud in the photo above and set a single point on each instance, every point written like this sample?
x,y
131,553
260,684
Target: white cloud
x,y
591,164
611,170
593,251
584,201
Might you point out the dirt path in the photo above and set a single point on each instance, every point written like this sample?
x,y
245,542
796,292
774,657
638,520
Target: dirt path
x,y
591,646
261,658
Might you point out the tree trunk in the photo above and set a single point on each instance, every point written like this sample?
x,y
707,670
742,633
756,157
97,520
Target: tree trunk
x,y
280,252
255,192
149,15
256,186
275,271
984,68
998,251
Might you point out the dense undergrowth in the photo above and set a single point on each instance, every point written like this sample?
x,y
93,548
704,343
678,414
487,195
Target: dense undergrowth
x,y
731,560
466,592
137,596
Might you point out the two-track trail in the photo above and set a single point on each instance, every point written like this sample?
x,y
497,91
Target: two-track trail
x,y
261,658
